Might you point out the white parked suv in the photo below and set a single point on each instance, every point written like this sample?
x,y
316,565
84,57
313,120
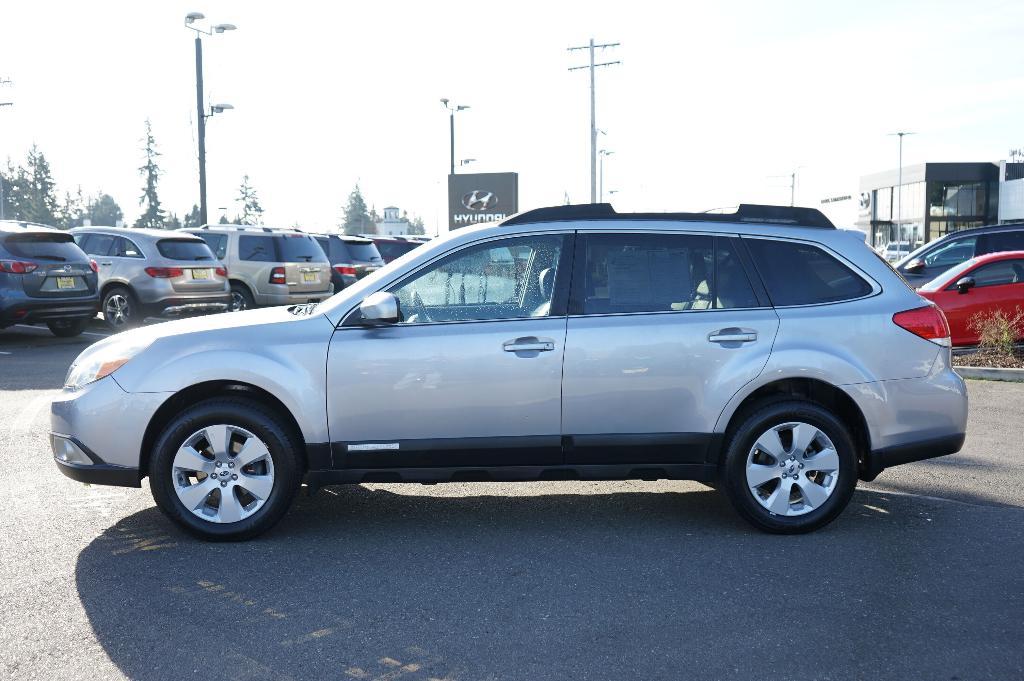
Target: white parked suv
x,y
764,350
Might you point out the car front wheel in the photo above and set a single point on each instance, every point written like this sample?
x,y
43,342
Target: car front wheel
x,y
226,469
120,310
790,467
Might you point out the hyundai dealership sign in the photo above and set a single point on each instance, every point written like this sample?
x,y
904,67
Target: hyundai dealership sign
x,y
481,197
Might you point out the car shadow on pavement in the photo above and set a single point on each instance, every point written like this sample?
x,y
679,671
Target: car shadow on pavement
x,y
370,583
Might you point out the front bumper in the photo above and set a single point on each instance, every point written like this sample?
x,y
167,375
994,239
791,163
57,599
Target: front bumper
x,y
97,431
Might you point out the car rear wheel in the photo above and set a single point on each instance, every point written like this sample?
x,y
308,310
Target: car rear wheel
x,y
790,467
120,311
241,298
67,328
226,469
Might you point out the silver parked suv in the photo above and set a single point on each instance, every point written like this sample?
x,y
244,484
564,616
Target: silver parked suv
x,y
270,266
153,273
763,351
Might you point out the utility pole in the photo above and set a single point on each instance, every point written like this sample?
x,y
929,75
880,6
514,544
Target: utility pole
x,y
3,81
899,188
452,110
593,107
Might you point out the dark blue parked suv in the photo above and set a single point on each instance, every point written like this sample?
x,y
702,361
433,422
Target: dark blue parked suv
x,y
934,258
45,279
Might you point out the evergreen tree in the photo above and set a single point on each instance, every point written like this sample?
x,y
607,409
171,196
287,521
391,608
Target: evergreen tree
x,y
356,219
33,190
416,226
192,218
224,220
172,222
103,210
8,193
72,211
153,215
252,211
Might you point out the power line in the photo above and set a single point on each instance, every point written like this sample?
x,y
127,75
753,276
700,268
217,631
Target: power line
x,y
593,107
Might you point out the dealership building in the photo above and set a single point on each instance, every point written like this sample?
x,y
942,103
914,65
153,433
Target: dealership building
x,y
934,199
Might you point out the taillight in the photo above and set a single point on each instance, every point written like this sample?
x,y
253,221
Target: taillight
x,y
17,266
345,269
94,266
222,271
928,322
164,272
277,275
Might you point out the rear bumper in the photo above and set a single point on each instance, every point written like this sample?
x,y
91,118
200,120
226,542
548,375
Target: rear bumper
x,y
293,298
47,310
880,459
179,307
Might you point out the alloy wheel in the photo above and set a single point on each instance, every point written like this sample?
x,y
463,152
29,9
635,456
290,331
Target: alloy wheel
x,y
237,301
792,469
223,473
117,310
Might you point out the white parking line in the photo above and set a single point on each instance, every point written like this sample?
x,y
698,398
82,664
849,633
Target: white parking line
x,y
41,329
30,413
4,353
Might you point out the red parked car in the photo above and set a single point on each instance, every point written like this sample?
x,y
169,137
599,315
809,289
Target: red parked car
x,y
983,284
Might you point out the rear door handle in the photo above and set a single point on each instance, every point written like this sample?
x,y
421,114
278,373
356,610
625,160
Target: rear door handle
x,y
733,336
106,264
528,345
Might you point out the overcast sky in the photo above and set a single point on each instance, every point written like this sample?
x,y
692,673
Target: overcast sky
x,y
711,101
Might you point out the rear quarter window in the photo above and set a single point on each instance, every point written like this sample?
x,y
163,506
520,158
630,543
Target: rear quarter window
x,y
798,273
256,248
299,248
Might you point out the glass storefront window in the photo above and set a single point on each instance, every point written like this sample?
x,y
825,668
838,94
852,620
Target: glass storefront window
x,y
883,204
950,199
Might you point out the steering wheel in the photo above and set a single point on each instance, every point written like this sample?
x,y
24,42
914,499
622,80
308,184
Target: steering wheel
x,y
418,310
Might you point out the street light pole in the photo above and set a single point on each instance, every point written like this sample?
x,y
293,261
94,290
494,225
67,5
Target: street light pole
x,y
452,110
190,19
899,188
201,128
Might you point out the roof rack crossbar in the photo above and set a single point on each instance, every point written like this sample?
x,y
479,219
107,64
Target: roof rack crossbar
x,y
748,213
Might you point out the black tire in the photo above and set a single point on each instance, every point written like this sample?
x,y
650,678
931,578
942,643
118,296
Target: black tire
x,y
131,312
241,297
67,328
285,451
740,443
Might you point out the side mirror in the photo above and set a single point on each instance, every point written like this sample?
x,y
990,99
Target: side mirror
x,y
915,265
965,284
378,309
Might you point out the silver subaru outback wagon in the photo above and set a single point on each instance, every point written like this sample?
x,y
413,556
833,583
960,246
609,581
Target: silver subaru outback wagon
x,y
763,351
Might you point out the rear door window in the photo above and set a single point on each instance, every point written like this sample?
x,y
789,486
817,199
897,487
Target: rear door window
x,y
628,273
952,253
257,248
58,247
997,242
184,249
99,244
798,273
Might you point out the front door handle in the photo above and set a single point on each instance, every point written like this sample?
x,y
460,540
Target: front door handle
x,y
528,345
106,264
733,336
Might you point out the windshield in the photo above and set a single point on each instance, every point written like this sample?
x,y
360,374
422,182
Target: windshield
x,y
299,248
58,247
949,275
184,249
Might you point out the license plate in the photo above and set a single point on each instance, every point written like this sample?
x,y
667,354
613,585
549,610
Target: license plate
x,y
65,282
310,277
200,274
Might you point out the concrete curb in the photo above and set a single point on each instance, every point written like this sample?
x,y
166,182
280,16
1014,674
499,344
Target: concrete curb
x,y
991,373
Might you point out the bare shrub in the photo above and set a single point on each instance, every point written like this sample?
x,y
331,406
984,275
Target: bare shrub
x,y
998,330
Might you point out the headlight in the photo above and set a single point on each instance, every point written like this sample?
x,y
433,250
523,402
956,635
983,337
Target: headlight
x,y
102,360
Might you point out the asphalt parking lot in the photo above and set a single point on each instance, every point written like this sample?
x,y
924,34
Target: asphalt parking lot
x,y
921,578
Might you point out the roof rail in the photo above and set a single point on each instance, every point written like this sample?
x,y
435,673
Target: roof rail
x,y
746,212
249,228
